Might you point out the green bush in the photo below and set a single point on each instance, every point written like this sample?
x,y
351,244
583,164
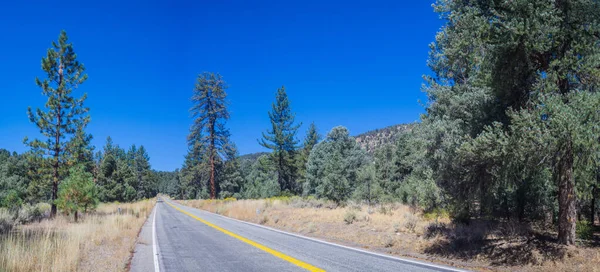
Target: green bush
x,y
584,230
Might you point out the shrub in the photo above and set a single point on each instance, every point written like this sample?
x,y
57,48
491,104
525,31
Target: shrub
x,y
388,241
350,217
27,213
386,210
584,230
311,227
435,229
263,220
396,227
6,221
410,221
44,209
436,214
30,213
221,210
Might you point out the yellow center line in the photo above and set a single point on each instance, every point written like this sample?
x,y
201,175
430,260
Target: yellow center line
x,y
252,243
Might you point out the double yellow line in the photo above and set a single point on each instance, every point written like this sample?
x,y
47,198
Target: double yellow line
x,y
252,243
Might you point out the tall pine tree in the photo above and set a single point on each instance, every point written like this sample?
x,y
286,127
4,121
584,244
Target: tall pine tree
x,y
64,114
311,139
210,114
281,139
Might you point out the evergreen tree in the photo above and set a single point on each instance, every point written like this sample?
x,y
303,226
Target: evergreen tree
x,y
281,139
333,166
311,139
232,179
77,192
80,150
402,164
210,113
13,179
368,187
490,95
146,180
385,168
262,181
64,113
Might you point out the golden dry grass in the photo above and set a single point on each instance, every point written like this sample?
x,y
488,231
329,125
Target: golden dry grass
x,y
102,241
401,230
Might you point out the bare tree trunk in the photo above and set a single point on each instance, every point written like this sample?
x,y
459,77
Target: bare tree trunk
x,y
57,145
280,179
213,190
593,207
75,216
566,198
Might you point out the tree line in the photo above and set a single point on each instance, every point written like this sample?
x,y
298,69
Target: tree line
x,y
511,129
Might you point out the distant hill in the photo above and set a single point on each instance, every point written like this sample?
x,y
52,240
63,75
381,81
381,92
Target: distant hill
x,y
252,156
370,140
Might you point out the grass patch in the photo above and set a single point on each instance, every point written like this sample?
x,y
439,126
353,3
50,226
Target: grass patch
x,y
101,241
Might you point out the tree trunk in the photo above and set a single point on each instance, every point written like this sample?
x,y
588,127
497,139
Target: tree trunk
x,y
57,145
75,216
56,165
213,191
593,206
280,172
566,197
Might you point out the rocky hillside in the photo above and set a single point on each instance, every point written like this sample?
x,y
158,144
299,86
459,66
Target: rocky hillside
x,y
370,140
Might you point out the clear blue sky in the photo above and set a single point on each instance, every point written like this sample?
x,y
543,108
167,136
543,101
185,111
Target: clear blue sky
x,y
352,63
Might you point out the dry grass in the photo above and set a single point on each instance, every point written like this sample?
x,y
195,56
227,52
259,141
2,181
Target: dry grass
x,y
402,230
101,241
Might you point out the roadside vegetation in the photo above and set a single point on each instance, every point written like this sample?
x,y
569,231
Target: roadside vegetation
x,y
407,231
100,241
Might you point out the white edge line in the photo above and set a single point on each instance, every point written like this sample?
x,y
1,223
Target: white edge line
x,y
154,242
446,268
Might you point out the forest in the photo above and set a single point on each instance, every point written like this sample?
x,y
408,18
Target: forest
x,y
510,131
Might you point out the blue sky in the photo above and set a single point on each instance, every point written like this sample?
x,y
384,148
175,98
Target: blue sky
x,y
352,63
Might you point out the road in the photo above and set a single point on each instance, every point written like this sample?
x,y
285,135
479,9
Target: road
x,y
180,238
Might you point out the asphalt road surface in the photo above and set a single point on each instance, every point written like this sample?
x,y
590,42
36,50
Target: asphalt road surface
x,y
180,238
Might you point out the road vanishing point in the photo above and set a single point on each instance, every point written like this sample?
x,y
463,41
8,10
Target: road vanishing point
x,y
180,238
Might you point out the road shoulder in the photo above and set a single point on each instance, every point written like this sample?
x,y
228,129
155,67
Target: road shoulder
x,y
143,256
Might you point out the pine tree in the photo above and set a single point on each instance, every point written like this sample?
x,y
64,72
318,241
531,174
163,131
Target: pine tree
x,y
210,113
513,88
281,139
77,192
384,169
311,139
232,179
333,166
80,150
262,180
64,114
146,187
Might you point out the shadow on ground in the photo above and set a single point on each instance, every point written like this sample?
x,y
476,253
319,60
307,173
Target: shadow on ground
x,y
499,243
